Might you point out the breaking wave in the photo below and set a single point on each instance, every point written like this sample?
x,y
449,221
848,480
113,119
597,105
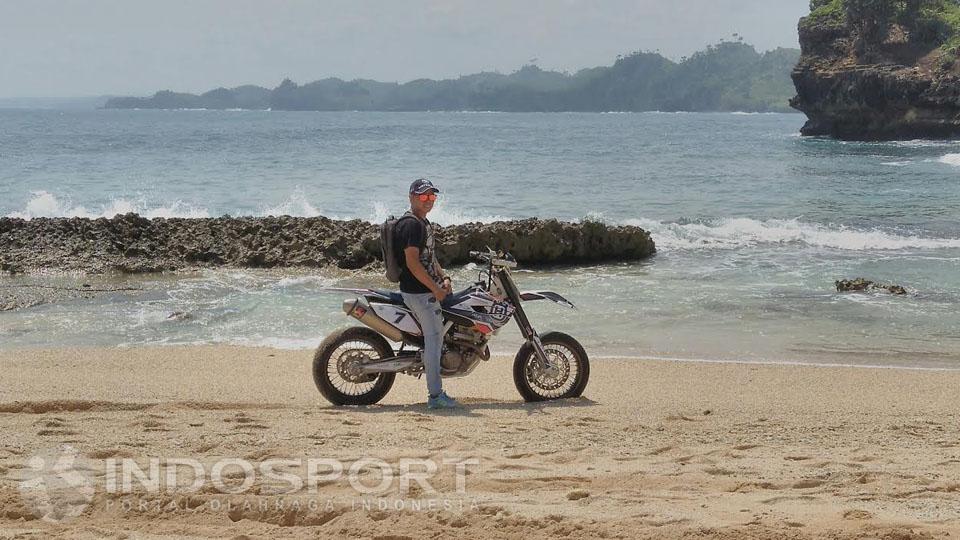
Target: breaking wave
x,y
951,159
745,232
45,204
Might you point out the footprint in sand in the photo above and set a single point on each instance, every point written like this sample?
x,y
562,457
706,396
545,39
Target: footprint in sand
x,y
53,427
267,453
808,483
563,459
51,422
105,453
746,446
517,467
788,498
150,424
244,421
866,478
681,417
857,514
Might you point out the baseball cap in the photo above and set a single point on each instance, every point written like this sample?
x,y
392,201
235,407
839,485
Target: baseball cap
x,y
422,185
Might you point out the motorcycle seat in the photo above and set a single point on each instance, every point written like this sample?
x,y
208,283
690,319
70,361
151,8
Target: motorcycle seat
x,y
390,297
395,298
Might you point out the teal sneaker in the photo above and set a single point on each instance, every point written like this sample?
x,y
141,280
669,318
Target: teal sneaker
x,y
442,401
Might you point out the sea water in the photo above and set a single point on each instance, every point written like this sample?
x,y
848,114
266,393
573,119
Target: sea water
x,y
752,222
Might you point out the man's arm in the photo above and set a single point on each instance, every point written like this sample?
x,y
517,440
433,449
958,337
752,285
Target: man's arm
x,y
446,281
412,256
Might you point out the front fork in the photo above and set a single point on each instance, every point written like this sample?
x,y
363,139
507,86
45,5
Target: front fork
x,y
526,329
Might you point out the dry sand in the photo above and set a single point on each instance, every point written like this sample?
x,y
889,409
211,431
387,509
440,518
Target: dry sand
x,y
654,449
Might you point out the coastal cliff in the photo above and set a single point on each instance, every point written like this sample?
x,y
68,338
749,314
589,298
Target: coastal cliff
x,y
134,244
879,69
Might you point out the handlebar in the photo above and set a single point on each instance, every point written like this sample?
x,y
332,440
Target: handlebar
x,y
492,259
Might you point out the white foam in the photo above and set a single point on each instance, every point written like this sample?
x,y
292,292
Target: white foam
x,y
951,159
745,232
305,280
923,143
442,216
288,344
896,163
295,205
45,204
439,215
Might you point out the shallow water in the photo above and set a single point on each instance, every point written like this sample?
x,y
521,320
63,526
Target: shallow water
x,y
752,222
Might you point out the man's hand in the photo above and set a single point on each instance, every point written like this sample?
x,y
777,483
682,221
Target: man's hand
x,y
440,294
448,284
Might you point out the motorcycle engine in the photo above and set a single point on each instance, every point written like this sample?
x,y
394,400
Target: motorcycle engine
x,y
462,352
451,360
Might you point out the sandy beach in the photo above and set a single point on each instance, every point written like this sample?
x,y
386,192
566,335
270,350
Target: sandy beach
x,y
654,449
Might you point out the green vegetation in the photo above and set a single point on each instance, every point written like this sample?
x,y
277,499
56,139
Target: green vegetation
x,y
826,12
948,17
927,21
729,76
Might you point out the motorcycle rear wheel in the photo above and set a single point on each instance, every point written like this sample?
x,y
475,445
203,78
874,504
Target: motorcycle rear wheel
x,y
335,366
565,377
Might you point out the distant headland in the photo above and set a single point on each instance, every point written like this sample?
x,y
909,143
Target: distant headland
x,y
728,76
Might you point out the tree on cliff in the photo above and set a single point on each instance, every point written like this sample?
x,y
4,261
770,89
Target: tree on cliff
x,y
870,19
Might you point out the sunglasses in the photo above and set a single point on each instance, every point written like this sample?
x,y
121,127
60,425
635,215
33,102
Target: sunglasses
x,y
424,197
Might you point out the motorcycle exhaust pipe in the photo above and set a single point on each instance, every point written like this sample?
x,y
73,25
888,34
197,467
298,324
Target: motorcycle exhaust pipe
x,y
360,310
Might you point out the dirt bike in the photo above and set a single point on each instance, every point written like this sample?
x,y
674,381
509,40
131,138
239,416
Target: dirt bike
x,y
357,365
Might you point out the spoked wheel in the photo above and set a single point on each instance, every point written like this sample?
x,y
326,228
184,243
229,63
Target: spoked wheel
x,y
336,367
565,375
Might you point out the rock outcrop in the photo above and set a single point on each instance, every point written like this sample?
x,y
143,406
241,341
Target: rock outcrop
x,y
134,244
879,69
861,284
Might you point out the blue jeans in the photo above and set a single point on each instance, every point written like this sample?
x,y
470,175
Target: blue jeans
x,y
427,311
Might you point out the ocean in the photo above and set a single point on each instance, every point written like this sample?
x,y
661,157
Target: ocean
x,y
752,222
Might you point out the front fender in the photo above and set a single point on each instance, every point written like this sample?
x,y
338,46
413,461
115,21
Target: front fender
x,y
529,296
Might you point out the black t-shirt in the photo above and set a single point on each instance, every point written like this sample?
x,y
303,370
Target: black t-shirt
x,y
412,232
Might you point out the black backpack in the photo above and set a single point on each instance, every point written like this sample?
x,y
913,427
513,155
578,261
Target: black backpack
x,y
388,237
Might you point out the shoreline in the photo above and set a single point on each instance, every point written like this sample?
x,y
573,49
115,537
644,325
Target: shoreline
x,y
656,449
502,354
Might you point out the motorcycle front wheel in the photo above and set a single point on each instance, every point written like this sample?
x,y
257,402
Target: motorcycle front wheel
x,y
565,375
336,363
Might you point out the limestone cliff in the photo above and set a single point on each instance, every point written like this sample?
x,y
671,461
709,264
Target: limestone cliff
x,y
879,69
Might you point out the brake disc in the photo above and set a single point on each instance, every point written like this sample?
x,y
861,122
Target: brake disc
x,y
555,374
349,364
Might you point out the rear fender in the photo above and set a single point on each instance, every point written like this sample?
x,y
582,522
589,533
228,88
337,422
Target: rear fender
x,y
359,292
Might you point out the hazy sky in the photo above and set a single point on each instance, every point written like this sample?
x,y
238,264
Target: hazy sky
x,y
93,47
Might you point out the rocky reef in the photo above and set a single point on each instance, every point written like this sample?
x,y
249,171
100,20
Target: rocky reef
x,y
879,69
861,284
134,244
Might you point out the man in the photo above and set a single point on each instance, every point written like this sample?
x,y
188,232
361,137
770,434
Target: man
x,y
424,285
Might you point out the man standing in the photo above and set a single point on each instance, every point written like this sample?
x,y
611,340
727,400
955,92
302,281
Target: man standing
x,y
424,285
